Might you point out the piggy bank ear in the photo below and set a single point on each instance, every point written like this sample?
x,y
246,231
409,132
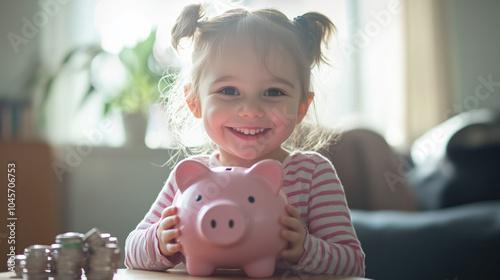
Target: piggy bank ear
x,y
188,171
271,171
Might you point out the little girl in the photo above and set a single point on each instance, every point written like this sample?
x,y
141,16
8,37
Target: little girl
x,y
249,85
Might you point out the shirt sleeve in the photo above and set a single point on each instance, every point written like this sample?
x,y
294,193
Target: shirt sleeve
x,y
331,245
142,247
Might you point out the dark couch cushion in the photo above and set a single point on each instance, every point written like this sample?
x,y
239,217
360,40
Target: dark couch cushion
x,y
461,165
454,243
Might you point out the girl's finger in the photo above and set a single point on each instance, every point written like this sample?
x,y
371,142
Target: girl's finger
x,y
169,222
291,254
291,223
168,236
169,211
292,211
173,248
290,236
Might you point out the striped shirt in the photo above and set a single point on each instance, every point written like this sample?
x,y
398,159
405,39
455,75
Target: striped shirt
x,y
311,185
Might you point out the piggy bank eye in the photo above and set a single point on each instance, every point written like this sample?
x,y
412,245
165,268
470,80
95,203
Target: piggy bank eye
x,y
251,199
198,198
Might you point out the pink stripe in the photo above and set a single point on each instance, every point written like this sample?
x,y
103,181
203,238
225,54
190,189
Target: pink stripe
x,y
137,255
355,266
325,182
325,215
358,268
298,180
311,260
337,265
337,233
132,258
328,192
302,168
322,172
149,221
300,204
299,192
171,187
348,260
353,243
146,251
308,251
167,196
161,204
127,258
330,203
321,259
316,229
330,261
332,226
156,213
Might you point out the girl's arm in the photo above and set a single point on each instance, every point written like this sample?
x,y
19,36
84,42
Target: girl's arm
x,y
331,245
141,247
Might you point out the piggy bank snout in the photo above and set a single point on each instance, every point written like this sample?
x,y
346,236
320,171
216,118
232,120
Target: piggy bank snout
x,y
222,224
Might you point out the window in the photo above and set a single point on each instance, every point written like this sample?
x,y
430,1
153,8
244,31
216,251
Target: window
x,y
364,82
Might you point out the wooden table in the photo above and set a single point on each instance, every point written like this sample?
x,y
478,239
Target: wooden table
x,y
180,274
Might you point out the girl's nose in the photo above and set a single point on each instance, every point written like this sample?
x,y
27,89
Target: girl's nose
x,y
250,109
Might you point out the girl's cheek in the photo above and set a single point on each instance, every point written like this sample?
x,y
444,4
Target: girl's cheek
x,y
284,117
215,110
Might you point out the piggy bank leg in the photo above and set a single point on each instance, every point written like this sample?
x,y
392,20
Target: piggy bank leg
x,y
197,267
261,268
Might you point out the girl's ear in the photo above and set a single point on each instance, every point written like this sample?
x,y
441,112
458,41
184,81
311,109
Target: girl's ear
x,y
192,102
304,106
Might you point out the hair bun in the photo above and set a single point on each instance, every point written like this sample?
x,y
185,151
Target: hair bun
x,y
314,28
186,23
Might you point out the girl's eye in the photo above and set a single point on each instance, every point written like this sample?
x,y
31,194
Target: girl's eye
x,y
229,91
273,92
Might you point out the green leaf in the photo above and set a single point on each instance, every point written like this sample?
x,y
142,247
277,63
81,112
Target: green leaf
x,y
129,60
144,49
107,108
90,91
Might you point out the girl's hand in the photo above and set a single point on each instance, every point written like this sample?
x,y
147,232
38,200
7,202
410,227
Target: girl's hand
x,y
166,233
295,234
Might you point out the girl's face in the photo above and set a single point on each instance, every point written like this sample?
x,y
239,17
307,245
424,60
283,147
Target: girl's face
x,y
248,109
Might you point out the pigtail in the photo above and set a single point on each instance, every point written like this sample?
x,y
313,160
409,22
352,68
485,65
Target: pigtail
x,y
186,23
314,29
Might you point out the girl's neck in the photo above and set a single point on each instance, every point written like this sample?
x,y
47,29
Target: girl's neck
x,y
227,159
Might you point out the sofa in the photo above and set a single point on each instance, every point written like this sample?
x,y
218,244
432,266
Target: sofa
x,y
432,214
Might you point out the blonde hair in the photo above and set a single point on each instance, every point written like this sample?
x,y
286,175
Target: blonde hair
x,y
267,31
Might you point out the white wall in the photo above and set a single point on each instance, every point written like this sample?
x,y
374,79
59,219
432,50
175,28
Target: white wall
x,y
109,188
18,58
474,46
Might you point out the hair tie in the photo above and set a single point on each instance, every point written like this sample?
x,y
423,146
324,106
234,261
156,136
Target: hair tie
x,y
301,21
306,34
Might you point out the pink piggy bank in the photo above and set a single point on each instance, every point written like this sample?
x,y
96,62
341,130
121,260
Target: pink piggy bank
x,y
229,217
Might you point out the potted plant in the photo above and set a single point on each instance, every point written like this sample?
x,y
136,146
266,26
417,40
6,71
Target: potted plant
x,y
137,88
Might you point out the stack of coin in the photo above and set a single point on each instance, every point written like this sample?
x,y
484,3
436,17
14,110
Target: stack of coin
x,y
68,254
36,265
20,263
103,255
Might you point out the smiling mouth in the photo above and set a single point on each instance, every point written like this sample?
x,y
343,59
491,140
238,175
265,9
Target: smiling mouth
x,y
249,131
